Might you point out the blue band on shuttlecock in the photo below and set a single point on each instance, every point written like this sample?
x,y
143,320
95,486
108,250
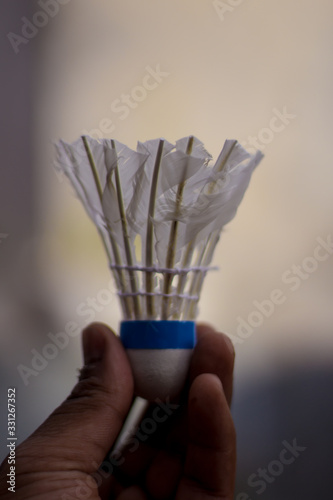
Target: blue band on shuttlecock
x,y
155,334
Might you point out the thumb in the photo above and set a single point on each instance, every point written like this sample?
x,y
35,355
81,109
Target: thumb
x,y
81,431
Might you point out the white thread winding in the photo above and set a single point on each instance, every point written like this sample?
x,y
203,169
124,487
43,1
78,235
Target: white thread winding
x,y
175,270
160,294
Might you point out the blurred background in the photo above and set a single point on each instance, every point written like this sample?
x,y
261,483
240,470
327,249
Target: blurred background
x,y
260,72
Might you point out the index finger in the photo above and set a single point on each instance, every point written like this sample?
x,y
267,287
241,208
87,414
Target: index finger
x,y
210,465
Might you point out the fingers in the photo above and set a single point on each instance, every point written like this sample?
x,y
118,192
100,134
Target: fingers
x,y
214,353
84,427
210,465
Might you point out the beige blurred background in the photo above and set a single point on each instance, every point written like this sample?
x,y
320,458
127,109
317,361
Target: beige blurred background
x,y
225,73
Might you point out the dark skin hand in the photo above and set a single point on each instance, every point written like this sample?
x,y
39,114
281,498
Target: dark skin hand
x,y
188,455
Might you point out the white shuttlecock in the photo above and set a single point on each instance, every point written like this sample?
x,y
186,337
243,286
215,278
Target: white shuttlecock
x,y
160,211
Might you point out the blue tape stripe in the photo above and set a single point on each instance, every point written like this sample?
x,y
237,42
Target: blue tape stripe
x,y
158,334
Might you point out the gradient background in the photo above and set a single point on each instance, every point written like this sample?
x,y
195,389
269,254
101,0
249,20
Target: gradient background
x,y
226,75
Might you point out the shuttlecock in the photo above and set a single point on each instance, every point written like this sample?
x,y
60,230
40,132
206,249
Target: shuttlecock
x,y
159,211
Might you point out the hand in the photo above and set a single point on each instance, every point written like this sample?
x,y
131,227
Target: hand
x,y
189,456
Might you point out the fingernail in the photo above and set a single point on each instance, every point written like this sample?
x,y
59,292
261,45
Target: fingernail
x,y
93,342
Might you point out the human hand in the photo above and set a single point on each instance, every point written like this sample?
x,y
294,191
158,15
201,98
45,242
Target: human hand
x,y
190,454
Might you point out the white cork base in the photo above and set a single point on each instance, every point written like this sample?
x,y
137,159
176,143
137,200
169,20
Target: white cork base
x,y
159,373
